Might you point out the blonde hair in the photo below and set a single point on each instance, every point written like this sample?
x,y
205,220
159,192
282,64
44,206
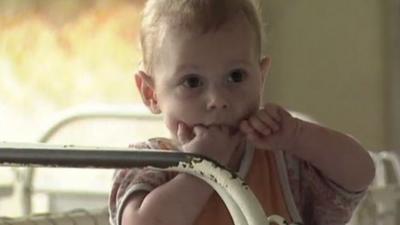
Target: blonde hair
x,y
194,15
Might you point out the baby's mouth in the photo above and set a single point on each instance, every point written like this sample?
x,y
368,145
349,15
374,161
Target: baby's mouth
x,y
232,129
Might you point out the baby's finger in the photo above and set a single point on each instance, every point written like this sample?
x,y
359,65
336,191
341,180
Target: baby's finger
x,y
260,126
273,111
268,120
199,130
183,133
245,127
253,137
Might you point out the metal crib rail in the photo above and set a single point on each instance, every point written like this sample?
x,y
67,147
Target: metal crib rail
x,y
240,201
81,157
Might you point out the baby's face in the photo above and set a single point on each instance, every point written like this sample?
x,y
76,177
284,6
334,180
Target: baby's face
x,y
210,79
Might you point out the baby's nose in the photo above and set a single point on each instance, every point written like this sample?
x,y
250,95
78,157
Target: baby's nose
x,y
217,100
213,106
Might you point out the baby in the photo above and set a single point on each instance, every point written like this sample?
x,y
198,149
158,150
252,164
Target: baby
x,y
204,71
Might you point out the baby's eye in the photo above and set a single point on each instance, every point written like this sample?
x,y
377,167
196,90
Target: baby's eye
x,y
236,76
192,81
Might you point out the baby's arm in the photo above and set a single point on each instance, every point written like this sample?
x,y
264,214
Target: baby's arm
x,y
178,201
339,157
181,200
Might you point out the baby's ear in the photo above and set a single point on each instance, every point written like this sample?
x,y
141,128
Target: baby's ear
x,y
265,65
145,85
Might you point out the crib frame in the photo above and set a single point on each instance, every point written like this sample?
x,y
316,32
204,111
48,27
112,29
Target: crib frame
x,y
239,199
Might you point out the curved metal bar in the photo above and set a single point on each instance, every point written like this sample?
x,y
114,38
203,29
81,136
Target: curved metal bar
x,y
234,209
240,198
235,193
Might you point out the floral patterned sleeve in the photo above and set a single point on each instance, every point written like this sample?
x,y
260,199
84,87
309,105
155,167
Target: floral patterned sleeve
x,y
129,181
319,200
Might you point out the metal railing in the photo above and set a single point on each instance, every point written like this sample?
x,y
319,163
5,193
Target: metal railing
x,y
239,199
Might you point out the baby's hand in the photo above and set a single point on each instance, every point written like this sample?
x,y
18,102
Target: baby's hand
x,y
215,142
271,128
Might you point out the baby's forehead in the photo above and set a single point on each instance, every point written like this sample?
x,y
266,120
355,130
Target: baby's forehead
x,y
226,46
237,28
199,28
195,22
